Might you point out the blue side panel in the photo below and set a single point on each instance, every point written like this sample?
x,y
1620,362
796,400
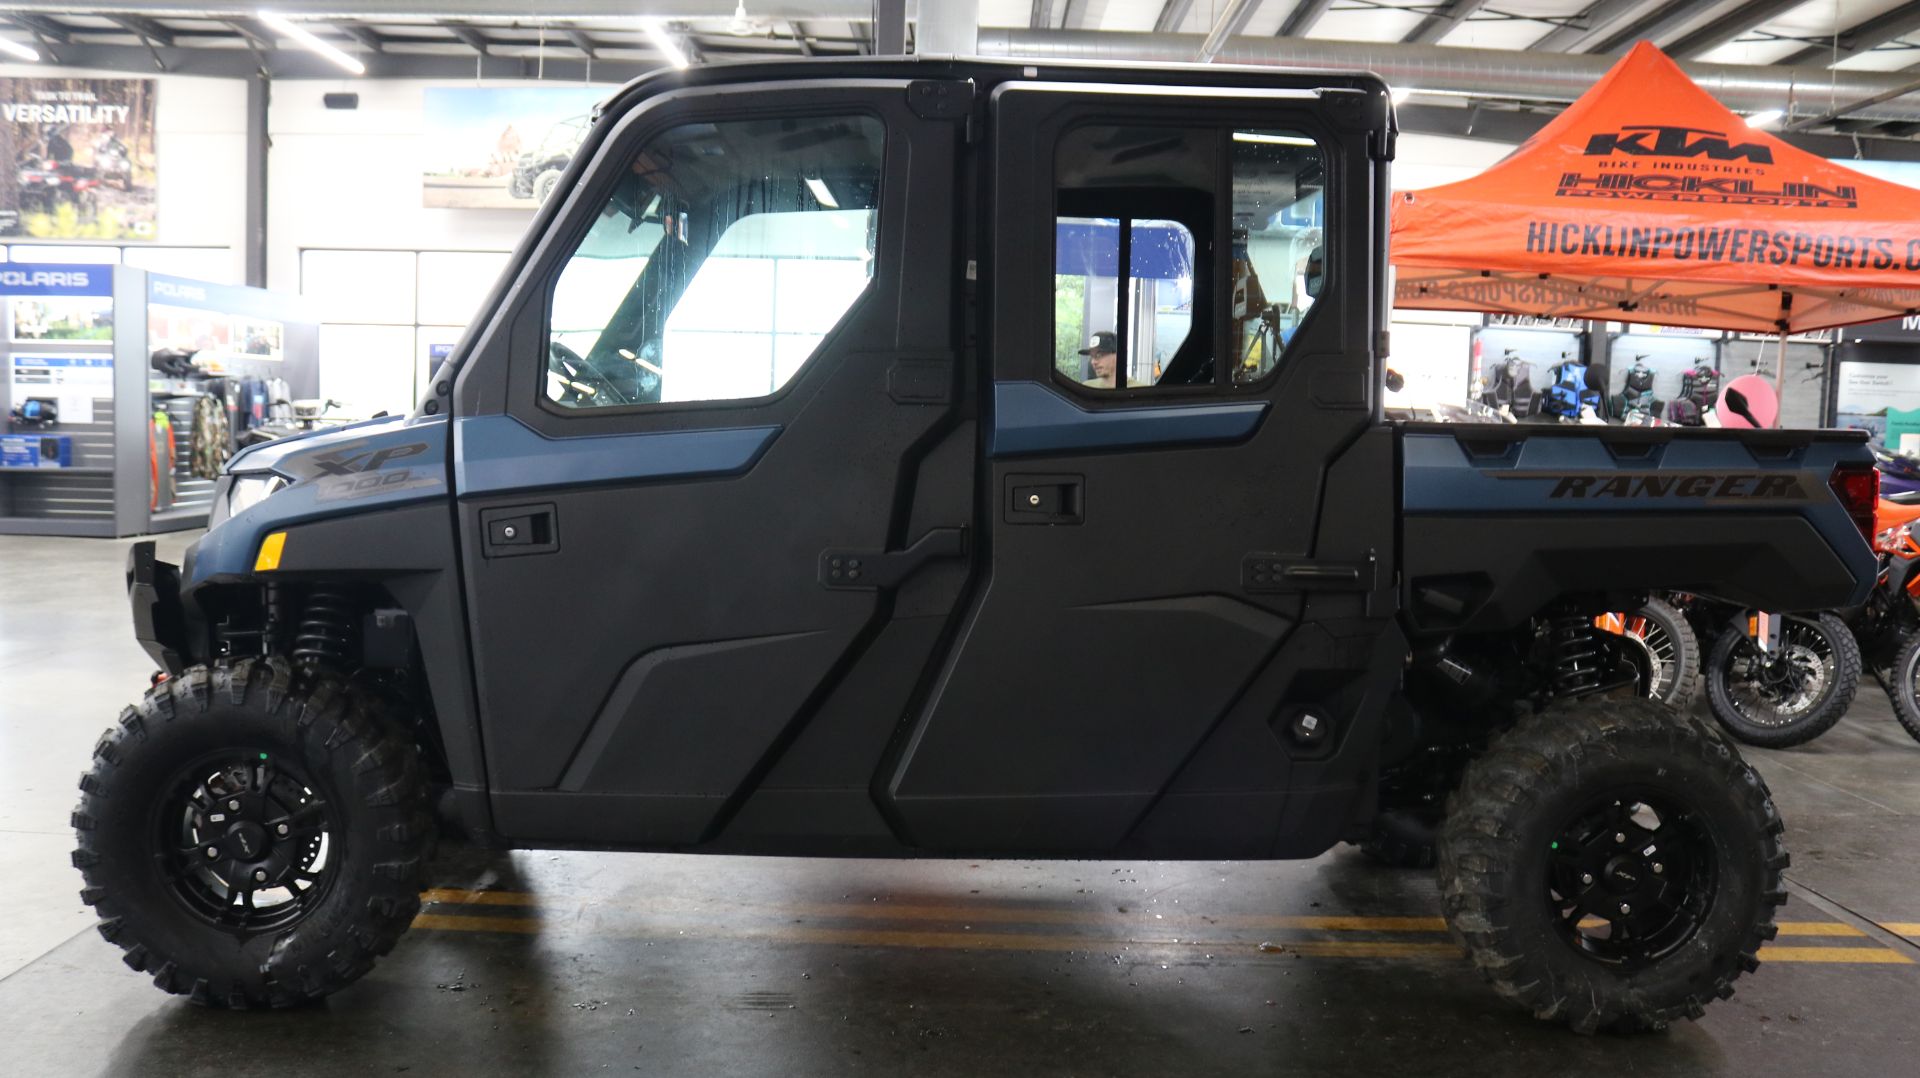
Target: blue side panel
x,y
1570,475
1030,418
497,454
383,464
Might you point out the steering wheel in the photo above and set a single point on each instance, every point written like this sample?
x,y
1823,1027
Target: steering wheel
x,y
584,384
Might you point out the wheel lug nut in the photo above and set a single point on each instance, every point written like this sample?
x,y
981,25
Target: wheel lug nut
x,y
260,876
1624,908
1658,868
1618,836
1586,877
212,853
233,806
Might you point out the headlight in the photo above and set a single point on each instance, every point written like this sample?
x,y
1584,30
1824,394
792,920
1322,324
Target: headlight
x,y
250,490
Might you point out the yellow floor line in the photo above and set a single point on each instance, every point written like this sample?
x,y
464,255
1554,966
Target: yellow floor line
x,y
1903,928
1878,956
1016,915
1001,941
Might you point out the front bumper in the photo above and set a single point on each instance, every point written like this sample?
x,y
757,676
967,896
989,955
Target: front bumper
x,y
159,622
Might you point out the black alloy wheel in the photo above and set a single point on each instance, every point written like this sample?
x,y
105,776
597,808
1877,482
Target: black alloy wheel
x,y
245,842
1631,877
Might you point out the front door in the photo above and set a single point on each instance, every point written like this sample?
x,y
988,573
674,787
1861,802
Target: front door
x,y
700,451
1176,382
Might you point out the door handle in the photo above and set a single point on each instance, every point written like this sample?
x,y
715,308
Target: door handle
x,y
1045,499
513,531
842,568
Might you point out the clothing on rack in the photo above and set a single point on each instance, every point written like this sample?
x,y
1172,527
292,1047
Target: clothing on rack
x,y
160,460
212,439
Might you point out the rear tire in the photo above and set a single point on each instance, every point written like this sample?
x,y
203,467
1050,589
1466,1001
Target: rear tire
x,y
1904,685
1745,707
252,837
1545,805
1672,653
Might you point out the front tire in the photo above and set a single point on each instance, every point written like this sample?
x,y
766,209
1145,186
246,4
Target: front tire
x,y
1904,685
1612,865
252,837
1788,699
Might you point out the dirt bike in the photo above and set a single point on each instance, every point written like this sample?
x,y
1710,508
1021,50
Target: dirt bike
x,y
1893,621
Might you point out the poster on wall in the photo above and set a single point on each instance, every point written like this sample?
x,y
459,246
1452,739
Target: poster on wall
x,y
77,158
501,147
61,318
1882,399
70,383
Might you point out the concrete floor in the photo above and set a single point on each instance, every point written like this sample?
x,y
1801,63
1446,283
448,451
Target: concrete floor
x,y
573,963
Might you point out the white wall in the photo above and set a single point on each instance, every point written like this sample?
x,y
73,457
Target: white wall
x,y
351,177
1429,160
201,128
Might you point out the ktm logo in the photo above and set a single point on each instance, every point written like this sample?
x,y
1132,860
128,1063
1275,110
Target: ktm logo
x,y
1653,140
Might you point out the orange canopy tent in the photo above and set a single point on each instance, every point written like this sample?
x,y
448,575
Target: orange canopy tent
x,y
1648,201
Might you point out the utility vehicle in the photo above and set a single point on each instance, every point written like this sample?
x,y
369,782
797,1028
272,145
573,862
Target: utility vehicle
x,y
766,508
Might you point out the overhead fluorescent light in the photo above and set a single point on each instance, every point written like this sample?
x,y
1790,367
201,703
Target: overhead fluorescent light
x,y
1764,117
15,49
1400,94
1272,140
663,41
281,24
819,189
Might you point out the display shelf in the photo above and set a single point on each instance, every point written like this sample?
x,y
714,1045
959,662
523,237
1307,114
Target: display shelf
x,y
98,529
56,471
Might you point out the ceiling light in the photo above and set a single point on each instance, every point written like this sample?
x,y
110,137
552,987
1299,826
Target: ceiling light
x,y
301,34
1400,94
819,189
1271,140
1764,117
663,41
14,48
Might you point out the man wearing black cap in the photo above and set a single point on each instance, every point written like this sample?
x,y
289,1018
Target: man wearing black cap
x,y
1101,353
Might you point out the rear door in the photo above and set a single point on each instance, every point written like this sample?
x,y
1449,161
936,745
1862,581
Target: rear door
x,y
699,452
1179,364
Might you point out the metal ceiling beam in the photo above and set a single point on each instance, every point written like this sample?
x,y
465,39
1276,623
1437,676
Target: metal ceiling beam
x,y
470,37
1552,78
1441,22
43,26
1504,125
578,39
1301,19
1172,14
1587,27
1042,15
1231,21
143,28
1664,21
256,35
366,36
295,64
1852,107
798,34
375,11
1729,27
1865,37
1073,14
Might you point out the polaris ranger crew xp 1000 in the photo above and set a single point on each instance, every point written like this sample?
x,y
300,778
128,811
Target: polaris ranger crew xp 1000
x,y
941,458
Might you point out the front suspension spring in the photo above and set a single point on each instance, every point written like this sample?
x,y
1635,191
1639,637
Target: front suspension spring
x,y
1577,655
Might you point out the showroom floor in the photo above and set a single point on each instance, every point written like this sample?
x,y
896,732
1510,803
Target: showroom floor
x,y
575,963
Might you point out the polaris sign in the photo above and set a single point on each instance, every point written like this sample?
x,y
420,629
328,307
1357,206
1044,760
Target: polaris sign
x,y
28,279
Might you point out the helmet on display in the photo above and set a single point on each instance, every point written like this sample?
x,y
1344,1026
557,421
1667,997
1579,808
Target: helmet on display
x,y
174,362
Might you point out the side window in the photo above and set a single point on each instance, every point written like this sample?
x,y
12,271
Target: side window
x,y
1135,236
1279,251
719,263
1133,206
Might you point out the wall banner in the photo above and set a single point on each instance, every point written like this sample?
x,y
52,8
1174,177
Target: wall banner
x,y
501,147
77,159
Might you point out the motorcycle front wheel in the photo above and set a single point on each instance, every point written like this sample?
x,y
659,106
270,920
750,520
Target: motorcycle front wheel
x,y
1788,697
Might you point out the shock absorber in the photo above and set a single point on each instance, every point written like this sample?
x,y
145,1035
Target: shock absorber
x,y
324,636
1577,655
